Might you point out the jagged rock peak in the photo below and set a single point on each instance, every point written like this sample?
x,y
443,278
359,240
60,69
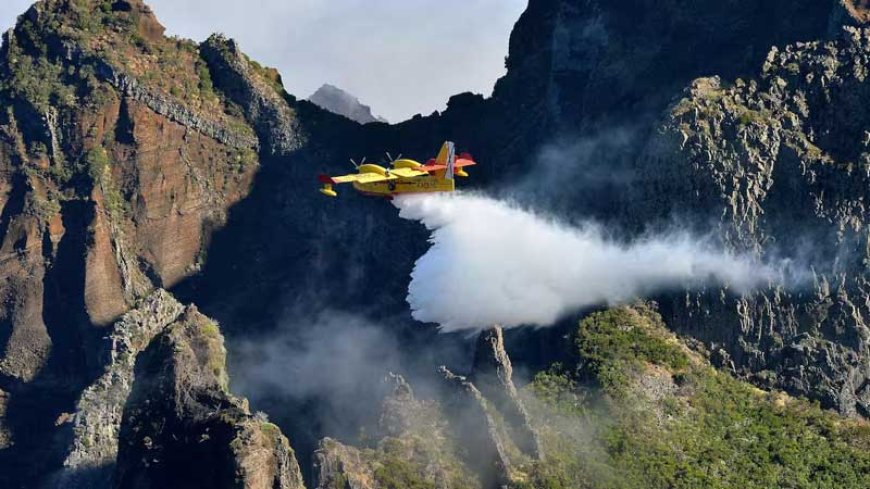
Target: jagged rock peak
x,y
491,359
401,388
259,91
476,428
398,410
338,101
492,373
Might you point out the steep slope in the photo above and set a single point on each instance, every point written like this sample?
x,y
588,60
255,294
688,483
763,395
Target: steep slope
x,y
636,408
160,414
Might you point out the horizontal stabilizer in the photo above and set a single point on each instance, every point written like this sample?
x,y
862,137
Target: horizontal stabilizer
x,y
431,166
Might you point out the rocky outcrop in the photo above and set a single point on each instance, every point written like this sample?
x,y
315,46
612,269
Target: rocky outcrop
x,y
400,409
337,101
338,466
178,113
165,374
492,373
97,420
181,428
260,95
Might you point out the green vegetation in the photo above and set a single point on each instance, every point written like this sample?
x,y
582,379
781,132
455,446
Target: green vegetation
x,y
682,108
40,82
603,428
406,462
270,75
270,429
46,208
97,161
211,343
618,343
211,330
243,159
98,166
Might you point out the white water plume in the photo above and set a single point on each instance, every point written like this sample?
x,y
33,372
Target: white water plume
x,y
492,262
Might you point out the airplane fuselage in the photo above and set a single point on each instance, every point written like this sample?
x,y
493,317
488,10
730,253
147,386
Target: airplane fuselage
x,y
418,185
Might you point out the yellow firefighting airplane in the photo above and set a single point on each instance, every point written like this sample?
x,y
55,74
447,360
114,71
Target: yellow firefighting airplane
x,y
405,176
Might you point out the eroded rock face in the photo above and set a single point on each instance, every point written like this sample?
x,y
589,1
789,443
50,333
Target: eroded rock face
x,y
416,447
261,95
579,63
780,163
181,428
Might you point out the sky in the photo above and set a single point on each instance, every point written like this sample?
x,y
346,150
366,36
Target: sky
x,y
402,57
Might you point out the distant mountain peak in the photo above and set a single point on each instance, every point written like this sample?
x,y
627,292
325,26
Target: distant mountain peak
x,y
334,99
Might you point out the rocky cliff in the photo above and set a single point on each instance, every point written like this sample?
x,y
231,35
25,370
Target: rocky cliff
x,y
120,158
779,161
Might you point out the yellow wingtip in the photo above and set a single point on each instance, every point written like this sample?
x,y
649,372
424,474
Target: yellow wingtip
x,y
327,191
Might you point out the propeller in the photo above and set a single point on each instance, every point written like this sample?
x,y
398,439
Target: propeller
x,y
390,157
355,165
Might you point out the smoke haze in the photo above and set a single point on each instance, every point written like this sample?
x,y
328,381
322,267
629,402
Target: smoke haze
x,y
492,262
333,358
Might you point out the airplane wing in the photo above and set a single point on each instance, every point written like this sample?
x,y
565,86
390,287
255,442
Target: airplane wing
x,y
407,173
357,177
